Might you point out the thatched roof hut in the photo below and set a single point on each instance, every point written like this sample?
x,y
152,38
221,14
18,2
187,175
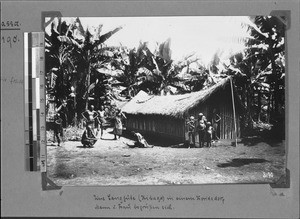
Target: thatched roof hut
x,y
171,105
149,113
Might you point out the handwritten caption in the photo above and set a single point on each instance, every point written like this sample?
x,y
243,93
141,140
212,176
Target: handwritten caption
x,y
10,24
143,202
11,80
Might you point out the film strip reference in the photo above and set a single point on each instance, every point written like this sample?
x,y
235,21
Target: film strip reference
x,y
34,84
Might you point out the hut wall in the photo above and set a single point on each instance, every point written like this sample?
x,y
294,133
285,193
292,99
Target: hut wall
x,y
176,128
227,127
156,125
225,108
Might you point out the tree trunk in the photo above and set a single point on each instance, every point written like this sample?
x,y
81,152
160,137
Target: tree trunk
x,y
88,78
249,104
276,85
258,105
75,109
269,107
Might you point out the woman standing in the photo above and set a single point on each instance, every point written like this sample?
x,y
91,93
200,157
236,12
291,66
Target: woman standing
x,y
90,117
118,124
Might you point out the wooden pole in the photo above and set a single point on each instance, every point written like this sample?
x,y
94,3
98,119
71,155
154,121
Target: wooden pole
x,y
233,105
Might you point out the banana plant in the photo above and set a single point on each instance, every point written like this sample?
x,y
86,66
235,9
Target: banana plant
x,y
90,53
131,69
72,56
267,49
165,72
259,70
59,64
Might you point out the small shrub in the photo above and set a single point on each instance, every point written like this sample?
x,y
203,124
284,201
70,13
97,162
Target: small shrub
x,y
70,134
73,133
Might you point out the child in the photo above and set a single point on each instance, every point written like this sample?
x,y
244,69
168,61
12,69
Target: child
x,y
191,129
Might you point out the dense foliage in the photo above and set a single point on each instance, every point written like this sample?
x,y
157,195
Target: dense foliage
x,y
82,70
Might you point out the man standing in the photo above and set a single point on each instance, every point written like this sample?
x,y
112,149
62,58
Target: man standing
x,y
101,120
63,111
58,129
215,123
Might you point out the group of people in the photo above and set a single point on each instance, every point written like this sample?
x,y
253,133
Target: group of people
x,y
205,129
95,121
94,124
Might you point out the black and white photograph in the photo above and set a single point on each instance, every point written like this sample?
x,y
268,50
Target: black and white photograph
x,y
165,100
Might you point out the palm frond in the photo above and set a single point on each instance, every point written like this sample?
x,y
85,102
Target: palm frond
x,y
106,36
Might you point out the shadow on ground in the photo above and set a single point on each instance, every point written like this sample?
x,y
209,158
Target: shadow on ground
x,y
238,162
83,147
108,139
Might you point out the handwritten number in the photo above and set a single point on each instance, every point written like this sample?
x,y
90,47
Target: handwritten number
x,y
15,39
267,174
10,40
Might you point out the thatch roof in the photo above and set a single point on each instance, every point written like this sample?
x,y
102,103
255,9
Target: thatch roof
x,y
119,103
171,105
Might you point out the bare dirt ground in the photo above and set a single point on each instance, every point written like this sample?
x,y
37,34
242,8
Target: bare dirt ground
x,y
112,162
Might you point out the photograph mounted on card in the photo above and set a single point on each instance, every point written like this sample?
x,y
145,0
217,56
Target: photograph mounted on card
x,y
165,100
